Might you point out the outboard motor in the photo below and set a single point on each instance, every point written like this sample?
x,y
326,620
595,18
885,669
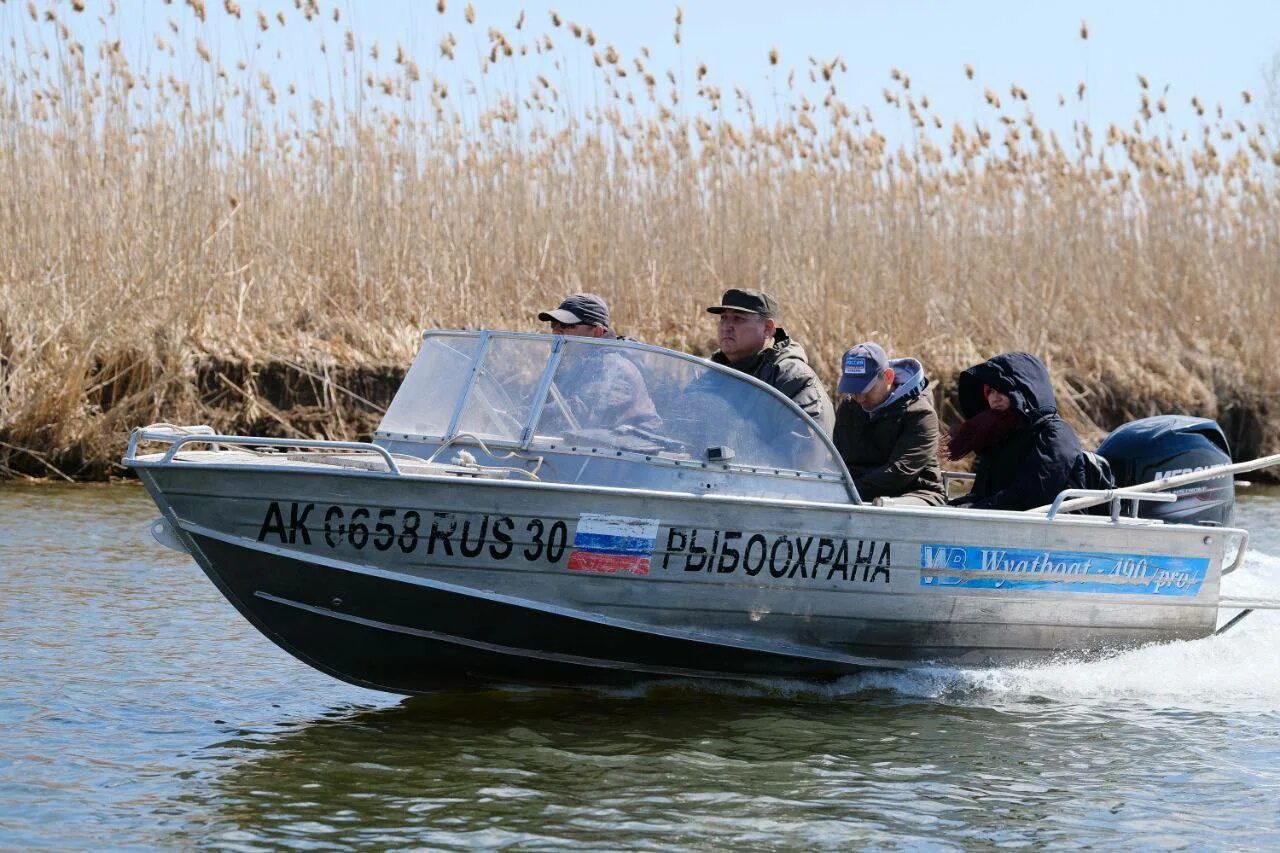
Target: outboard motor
x,y
1164,446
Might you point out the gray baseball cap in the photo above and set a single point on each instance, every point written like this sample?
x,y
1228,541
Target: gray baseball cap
x,y
579,308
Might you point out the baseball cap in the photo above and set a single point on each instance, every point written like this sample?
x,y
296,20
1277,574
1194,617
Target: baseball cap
x,y
860,367
751,301
579,308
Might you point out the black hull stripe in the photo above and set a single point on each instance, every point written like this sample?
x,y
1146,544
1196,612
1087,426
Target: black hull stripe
x,y
479,645
782,650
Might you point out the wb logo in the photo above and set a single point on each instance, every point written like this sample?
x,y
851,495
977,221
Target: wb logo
x,y
941,557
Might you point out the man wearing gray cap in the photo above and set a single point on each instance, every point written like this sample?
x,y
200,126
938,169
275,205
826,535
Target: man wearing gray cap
x,y
886,429
580,314
751,341
601,387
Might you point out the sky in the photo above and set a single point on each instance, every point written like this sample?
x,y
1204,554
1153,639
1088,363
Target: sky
x,y
1213,51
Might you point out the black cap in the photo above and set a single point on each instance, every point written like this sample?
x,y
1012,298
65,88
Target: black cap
x,y
751,301
579,308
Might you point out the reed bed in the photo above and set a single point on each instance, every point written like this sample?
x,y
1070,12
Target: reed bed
x,y
231,249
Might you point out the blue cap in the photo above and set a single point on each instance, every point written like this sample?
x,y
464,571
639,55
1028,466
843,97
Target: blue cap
x,y
860,367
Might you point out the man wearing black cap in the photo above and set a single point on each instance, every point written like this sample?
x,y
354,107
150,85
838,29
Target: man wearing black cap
x,y
601,387
886,429
751,341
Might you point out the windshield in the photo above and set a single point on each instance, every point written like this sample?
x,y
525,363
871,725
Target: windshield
x,y
571,393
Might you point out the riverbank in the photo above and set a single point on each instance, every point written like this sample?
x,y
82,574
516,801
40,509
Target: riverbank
x,y
290,399
243,273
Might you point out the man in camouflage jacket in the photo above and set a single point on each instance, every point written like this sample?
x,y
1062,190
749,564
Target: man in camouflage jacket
x,y
751,341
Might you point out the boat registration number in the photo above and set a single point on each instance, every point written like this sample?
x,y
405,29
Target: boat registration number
x,y
384,528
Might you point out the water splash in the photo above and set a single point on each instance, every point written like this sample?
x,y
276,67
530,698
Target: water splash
x,y
1238,671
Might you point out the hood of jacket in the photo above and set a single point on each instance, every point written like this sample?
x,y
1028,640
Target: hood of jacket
x,y
909,382
784,348
1020,375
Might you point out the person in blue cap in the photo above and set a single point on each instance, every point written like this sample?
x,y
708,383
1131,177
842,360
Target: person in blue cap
x,y
886,429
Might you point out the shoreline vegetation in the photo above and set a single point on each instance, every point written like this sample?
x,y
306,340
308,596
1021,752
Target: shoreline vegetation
x,y
227,248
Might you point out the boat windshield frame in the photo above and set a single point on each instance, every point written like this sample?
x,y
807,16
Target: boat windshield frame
x,y
455,432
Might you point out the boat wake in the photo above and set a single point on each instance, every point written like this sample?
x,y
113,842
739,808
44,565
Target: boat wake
x,y
1239,669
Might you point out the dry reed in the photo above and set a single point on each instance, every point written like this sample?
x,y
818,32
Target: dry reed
x,y
155,225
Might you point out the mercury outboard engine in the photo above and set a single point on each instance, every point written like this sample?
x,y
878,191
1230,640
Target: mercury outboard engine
x,y
1167,445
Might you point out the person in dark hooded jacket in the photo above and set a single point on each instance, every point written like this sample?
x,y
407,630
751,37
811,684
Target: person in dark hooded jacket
x,y
1026,453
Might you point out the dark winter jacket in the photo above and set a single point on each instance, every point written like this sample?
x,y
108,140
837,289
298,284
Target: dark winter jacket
x,y
892,450
786,367
1038,459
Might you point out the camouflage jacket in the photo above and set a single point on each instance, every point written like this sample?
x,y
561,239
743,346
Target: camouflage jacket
x,y
786,367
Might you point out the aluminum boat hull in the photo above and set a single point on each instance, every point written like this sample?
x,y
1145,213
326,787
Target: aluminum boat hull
x,y
413,584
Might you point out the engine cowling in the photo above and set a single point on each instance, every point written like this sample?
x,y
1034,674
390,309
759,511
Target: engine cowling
x,y
1164,446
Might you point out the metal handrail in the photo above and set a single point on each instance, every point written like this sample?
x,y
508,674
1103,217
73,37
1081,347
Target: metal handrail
x,y
177,441
161,432
1243,536
1211,473
1115,496
949,477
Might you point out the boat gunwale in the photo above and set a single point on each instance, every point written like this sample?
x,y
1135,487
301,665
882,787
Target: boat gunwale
x,y
920,512
397,574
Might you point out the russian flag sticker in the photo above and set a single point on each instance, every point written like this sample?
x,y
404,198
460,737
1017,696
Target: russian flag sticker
x,y
613,544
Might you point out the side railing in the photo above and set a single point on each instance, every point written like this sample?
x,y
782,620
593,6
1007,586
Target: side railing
x,y
1099,496
178,437
1236,537
1115,496
1076,499
951,477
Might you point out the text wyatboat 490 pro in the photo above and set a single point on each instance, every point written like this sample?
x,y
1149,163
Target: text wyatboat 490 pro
x,y
504,527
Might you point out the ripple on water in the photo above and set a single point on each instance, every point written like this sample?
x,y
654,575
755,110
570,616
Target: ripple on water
x,y
140,710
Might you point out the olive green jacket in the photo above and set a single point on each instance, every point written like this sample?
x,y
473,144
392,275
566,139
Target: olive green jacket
x,y
892,452
786,367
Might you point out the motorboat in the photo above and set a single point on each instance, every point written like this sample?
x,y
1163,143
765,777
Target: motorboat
x,y
556,510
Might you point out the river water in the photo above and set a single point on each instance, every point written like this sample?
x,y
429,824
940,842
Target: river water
x,y
138,710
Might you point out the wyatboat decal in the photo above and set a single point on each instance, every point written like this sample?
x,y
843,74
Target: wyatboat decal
x,y
779,556
954,566
609,544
